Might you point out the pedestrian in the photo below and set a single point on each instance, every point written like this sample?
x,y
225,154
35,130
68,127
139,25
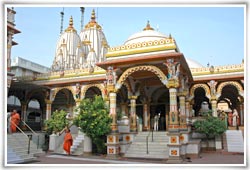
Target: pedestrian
x,y
156,121
68,141
230,118
15,120
235,117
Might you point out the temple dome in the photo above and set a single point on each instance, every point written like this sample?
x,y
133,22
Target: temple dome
x,y
193,63
148,34
68,50
93,39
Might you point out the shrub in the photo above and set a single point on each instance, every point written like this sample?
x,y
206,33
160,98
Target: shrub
x,y
57,122
94,121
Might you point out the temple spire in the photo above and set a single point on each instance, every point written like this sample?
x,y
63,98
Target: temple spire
x,y
148,27
71,27
93,15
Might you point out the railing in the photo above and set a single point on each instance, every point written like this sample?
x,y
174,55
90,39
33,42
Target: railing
x,y
150,132
28,136
32,132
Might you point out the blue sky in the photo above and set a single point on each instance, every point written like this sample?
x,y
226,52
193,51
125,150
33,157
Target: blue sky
x,y
205,34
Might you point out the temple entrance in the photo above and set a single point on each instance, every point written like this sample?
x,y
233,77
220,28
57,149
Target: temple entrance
x,y
64,100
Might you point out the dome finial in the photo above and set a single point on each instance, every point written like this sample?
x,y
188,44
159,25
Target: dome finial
x,y
92,23
71,22
93,15
70,27
148,27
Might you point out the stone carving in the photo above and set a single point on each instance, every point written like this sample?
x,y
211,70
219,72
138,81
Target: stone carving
x,y
111,76
173,69
78,91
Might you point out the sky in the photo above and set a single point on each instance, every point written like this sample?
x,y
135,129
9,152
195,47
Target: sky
x,y
206,34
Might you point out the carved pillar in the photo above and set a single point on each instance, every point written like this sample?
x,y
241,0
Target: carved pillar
x,y
133,113
112,111
24,111
173,131
146,118
173,111
183,122
167,115
241,114
214,106
48,109
188,114
113,145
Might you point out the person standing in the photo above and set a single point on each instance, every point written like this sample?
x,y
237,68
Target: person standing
x,y
68,141
230,118
156,121
235,117
15,120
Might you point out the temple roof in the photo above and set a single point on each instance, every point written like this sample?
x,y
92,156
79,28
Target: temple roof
x,y
148,34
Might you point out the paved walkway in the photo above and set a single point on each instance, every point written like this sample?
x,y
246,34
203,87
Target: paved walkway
x,y
205,158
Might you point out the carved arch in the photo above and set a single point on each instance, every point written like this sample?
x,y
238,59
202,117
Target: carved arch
x,y
56,90
204,86
149,68
233,83
99,86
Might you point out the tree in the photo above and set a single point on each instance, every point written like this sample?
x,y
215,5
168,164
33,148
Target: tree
x,y
57,122
210,126
94,121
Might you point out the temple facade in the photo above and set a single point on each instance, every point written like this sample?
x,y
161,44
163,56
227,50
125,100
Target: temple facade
x,y
144,77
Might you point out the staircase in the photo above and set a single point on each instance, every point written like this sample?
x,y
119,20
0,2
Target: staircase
x,y
156,150
77,146
233,141
17,149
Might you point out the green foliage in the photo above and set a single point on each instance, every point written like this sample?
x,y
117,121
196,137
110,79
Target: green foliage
x,y
207,113
210,126
57,122
94,120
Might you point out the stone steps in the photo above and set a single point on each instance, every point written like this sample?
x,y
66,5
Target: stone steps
x,y
156,150
17,149
234,141
77,146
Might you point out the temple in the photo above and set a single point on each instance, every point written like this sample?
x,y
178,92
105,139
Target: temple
x,y
145,77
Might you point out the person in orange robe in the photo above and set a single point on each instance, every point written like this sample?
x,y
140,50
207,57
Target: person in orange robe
x,y
15,119
68,141
230,119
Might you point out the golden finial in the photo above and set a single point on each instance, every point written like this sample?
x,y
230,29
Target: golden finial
x,y
93,15
71,22
70,27
148,27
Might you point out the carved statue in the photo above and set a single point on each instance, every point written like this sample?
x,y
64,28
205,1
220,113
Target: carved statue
x,y
173,68
212,85
111,76
78,91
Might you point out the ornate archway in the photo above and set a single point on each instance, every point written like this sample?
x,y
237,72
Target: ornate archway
x,y
132,70
56,90
203,86
99,86
233,83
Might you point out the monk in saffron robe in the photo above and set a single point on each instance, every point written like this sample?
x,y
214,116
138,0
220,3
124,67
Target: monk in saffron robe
x,y
68,141
15,119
